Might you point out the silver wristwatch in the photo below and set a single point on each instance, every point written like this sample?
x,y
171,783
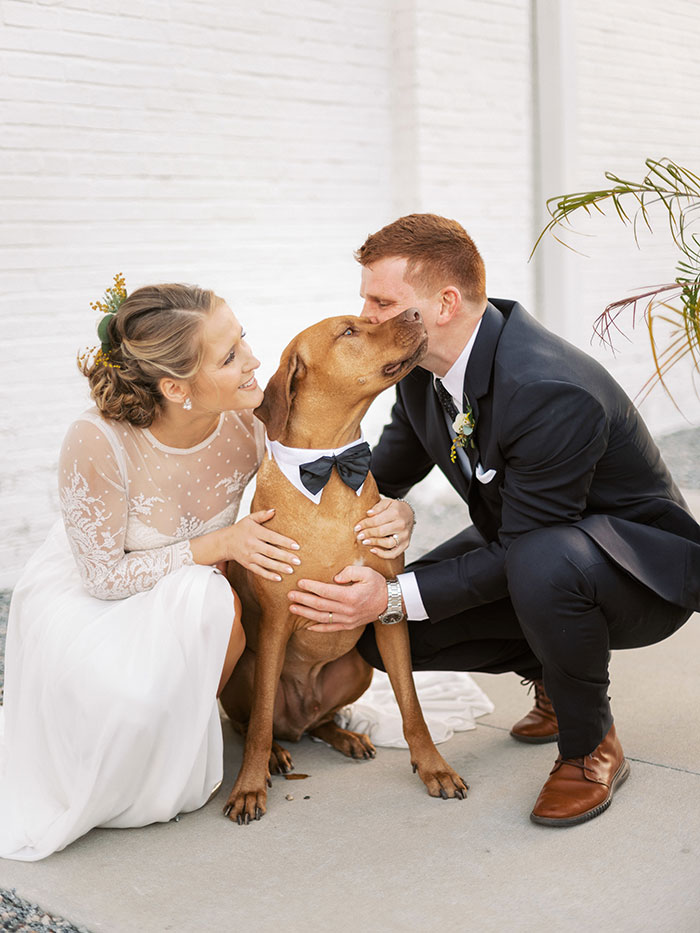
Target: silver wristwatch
x,y
394,605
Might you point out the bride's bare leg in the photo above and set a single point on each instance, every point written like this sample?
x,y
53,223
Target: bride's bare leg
x,y
236,644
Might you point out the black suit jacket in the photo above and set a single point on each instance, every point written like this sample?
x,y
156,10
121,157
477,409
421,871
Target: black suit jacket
x,y
568,446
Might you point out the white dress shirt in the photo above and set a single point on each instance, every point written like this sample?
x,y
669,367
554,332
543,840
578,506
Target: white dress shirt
x,y
453,381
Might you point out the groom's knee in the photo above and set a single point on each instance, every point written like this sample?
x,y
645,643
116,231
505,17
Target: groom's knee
x,y
549,567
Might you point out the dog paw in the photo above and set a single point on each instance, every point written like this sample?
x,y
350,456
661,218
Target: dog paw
x,y
441,780
356,745
280,760
243,807
352,744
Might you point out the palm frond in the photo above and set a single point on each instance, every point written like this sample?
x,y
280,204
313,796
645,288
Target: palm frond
x,y
677,189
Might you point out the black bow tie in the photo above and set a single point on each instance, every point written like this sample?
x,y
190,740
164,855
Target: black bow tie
x,y
352,465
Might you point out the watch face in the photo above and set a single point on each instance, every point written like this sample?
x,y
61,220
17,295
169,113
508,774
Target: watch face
x,y
390,618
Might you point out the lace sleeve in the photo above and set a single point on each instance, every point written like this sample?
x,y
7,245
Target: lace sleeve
x,y
94,505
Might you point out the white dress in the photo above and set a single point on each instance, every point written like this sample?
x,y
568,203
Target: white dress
x,y
116,639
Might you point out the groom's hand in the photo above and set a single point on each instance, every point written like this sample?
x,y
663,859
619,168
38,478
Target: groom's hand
x,y
357,597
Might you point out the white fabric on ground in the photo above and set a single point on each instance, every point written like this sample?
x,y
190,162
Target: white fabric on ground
x,y
450,701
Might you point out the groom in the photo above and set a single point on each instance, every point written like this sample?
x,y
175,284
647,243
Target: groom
x,y
581,541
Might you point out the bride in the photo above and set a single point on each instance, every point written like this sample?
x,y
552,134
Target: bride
x,y
122,629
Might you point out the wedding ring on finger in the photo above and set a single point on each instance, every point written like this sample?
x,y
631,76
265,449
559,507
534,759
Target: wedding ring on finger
x,y
396,538
330,618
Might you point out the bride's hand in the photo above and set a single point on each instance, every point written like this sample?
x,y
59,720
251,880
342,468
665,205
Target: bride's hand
x,y
260,549
387,529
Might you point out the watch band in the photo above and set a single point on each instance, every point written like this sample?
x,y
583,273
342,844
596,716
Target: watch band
x,y
394,606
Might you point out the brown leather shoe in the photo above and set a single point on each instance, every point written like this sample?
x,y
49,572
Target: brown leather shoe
x,y
579,789
540,725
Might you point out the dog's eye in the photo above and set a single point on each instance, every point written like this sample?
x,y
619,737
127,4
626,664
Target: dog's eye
x,y
349,332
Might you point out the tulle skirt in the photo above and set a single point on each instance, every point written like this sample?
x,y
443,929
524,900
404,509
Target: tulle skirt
x,y
110,715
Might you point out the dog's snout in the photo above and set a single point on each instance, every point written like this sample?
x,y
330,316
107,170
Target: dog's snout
x,y
412,315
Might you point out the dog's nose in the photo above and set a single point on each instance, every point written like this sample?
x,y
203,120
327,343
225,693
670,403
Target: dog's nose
x,y
412,315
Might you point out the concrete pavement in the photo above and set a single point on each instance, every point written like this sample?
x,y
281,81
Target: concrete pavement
x,y
369,850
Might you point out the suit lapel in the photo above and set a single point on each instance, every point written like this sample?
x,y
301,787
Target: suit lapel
x,y
477,378
477,382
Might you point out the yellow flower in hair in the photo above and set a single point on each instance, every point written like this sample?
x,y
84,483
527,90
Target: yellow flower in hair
x,y
113,298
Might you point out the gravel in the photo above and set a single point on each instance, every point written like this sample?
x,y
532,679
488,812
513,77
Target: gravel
x,y
680,450
19,916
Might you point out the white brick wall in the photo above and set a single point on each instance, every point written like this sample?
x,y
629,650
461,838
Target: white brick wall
x,y
475,146
251,147
240,146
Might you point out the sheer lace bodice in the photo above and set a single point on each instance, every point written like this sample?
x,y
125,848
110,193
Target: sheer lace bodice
x,y
130,504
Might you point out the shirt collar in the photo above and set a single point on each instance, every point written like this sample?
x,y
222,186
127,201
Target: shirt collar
x,y
453,380
289,459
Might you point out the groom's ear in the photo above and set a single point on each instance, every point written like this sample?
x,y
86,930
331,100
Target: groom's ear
x,y
279,394
450,303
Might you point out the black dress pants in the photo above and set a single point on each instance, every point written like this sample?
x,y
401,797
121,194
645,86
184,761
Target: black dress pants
x,y
569,606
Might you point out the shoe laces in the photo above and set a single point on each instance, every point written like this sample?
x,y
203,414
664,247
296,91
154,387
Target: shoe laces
x,y
574,762
540,692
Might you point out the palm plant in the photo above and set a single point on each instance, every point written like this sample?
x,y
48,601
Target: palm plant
x,y
673,303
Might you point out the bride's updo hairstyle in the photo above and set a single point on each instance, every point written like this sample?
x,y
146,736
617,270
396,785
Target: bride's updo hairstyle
x,y
155,333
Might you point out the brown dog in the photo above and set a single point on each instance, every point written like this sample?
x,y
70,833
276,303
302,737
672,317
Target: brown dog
x,y
289,680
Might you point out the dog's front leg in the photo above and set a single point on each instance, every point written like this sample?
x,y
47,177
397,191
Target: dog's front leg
x,y
249,795
440,779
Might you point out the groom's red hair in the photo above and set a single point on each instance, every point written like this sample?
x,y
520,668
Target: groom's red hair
x,y
439,251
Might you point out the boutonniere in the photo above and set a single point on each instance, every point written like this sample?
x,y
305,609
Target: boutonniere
x,y
463,426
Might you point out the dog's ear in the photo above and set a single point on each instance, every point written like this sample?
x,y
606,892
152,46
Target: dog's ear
x,y
279,395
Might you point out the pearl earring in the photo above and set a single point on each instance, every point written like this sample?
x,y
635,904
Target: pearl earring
x,y
187,404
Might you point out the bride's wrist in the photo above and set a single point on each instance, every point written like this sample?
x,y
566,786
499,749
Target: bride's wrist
x,y
413,514
209,549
